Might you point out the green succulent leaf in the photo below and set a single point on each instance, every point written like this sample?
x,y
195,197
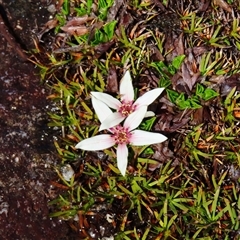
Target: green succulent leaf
x,y
172,95
177,61
205,93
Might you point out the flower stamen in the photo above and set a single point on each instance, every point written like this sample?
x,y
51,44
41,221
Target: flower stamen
x,y
127,108
121,135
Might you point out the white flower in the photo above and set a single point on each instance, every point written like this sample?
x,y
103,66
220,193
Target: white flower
x,y
126,106
121,135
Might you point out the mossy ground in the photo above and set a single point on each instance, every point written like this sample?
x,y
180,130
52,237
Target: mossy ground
x,y
185,188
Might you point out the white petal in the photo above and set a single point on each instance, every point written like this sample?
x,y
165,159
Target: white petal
x,y
140,138
111,121
122,158
107,99
135,118
126,88
149,114
101,109
147,98
96,143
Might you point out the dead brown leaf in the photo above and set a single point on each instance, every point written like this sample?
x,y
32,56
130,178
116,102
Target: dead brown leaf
x,y
76,26
162,153
47,27
230,83
125,20
78,21
159,4
174,45
173,122
148,80
77,30
203,5
222,4
189,70
156,55
188,76
102,48
196,51
114,10
178,44
112,83
201,115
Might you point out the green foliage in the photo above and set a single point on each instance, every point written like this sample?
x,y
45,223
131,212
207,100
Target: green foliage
x,y
166,71
193,102
61,16
105,34
147,124
230,104
205,93
190,195
181,101
103,6
84,8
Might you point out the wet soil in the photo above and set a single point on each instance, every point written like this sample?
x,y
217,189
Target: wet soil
x,y
26,152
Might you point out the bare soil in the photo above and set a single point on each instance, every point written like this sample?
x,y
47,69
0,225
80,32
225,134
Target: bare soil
x,y
27,156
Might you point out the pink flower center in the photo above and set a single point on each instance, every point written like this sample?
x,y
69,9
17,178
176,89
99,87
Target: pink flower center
x,y
121,135
126,108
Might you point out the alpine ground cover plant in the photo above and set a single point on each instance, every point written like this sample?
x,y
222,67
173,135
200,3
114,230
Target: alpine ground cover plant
x,y
122,135
126,106
184,188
